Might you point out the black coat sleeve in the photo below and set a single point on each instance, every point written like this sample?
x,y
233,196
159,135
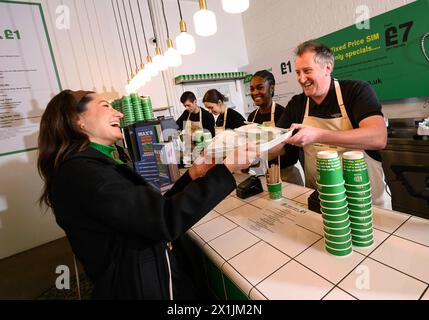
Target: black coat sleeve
x,y
139,210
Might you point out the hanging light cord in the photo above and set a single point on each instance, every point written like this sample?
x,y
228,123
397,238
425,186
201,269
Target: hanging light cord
x,y
144,33
120,39
180,10
129,32
135,31
151,19
165,18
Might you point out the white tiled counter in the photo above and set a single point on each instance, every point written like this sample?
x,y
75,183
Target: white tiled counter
x,y
258,248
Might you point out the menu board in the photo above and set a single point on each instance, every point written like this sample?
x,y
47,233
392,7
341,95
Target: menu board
x,y
28,75
390,51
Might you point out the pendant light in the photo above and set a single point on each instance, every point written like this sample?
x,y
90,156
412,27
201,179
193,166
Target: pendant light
x,y
173,57
235,6
185,42
205,21
158,60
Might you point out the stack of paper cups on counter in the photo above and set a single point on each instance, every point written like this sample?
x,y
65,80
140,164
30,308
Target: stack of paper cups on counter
x,y
333,203
358,191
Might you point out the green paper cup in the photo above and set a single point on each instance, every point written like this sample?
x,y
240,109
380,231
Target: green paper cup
x,y
356,178
363,243
334,204
332,197
358,194
330,177
334,211
275,190
336,224
329,171
360,226
360,213
362,220
334,238
359,201
361,232
357,187
339,252
368,237
337,231
359,207
338,245
331,189
335,217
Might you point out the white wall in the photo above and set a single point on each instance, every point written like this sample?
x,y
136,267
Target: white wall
x,y
271,26
89,56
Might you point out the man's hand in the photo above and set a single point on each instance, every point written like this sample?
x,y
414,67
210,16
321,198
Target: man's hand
x,y
306,135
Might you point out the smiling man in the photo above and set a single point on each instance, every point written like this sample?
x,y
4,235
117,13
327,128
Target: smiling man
x,y
333,114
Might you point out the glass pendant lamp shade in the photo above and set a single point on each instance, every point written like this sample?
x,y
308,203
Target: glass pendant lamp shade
x,y
235,6
151,67
142,76
185,42
173,57
159,60
131,86
205,21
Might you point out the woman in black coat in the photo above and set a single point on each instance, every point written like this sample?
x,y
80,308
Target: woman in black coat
x,y
118,226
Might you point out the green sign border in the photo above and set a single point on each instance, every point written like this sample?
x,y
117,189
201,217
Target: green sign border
x,y
52,56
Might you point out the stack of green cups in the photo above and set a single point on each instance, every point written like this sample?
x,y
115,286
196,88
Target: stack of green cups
x,y
333,204
137,107
127,110
358,191
147,108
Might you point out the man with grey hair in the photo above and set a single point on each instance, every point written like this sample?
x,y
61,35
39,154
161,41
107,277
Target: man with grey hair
x,y
333,114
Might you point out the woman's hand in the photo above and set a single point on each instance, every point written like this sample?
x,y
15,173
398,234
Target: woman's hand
x,y
241,157
200,166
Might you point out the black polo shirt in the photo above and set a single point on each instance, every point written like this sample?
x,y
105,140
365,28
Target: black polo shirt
x,y
359,99
263,117
233,119
207,120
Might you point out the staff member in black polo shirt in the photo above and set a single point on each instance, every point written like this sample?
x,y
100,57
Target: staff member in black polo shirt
x,y
331,114
195,116
228,118
268,112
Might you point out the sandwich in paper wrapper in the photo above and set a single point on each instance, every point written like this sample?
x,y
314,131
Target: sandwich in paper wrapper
x,y
265,138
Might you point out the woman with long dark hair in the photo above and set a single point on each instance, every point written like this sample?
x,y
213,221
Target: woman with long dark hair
x,y
117,224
